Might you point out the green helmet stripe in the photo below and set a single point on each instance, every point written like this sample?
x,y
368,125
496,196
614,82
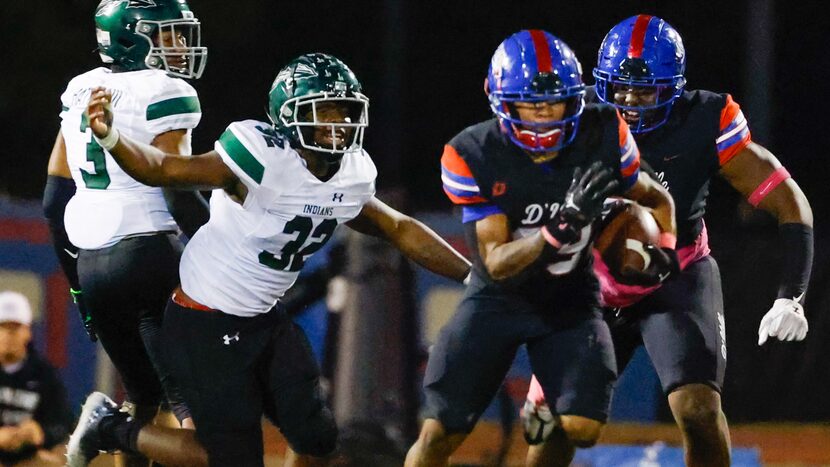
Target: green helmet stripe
x,y
174,106
241,156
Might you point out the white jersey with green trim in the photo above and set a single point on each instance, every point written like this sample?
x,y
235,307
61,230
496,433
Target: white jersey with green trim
x,y
245,258
109,204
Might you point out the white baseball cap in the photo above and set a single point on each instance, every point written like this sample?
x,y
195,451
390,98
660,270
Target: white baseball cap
x,y
15,307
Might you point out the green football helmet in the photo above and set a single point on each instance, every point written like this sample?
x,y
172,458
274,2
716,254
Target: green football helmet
x,y
142,34
309,83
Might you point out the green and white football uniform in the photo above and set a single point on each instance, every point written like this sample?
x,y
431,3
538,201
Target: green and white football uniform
x,y
109,204
245,258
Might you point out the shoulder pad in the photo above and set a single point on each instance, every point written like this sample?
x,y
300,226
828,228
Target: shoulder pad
x,y
173,105
250,146
471,139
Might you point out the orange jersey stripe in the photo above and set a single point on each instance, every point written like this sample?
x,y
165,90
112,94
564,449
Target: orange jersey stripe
x,y
451,161
623,129
728,113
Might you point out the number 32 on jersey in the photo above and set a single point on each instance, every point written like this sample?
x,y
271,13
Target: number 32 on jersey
x,y
308,240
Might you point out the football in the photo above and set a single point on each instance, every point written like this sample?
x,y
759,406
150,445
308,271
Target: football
x,y
624,234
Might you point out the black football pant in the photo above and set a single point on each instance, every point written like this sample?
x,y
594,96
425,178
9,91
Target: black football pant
x,y
125,288
233,370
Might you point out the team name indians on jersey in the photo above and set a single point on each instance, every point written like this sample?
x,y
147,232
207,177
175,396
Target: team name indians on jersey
x,y
318,210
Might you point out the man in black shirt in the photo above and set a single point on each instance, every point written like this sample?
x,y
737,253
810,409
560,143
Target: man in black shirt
x,y
33,410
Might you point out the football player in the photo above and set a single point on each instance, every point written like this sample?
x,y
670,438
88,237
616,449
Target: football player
x,y
531,181
281,189
115,236
688,137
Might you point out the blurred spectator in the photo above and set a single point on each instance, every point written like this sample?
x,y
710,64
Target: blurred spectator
x,y
34,415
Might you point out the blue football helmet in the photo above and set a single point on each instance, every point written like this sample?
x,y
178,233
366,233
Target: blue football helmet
x,y
533,66
642,61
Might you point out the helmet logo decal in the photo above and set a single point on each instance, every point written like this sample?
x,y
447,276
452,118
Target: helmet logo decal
x,y
304,71
103,37
141,4
109,8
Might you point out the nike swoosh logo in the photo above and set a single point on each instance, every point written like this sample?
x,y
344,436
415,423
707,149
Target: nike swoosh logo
x,y
669,158
74,255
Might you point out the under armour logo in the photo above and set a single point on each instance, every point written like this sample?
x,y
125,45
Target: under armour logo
x,y
337,197
228,339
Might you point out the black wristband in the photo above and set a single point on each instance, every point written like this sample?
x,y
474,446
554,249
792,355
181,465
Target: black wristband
x,y
797,241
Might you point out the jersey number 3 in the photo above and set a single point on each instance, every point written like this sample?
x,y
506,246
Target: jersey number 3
x,y
99,180
293,254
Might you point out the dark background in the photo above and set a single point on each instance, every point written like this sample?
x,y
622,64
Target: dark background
x,y
423,64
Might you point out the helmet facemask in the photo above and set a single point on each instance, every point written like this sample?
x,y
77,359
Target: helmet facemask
x,y
175,46
312,115
652,102
539,137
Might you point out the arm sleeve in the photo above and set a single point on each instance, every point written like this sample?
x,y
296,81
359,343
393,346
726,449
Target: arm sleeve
x,y
53,413
797,240
56,195
733,133
629,155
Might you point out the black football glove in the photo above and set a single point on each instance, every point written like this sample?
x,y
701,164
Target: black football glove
x,y
86,318
664,265
583,203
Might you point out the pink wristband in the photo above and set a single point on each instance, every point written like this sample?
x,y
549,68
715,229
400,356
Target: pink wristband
x,y
550,239
667,240
767,186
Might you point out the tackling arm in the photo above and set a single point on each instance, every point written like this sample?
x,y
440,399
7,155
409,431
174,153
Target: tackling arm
x,y
414,239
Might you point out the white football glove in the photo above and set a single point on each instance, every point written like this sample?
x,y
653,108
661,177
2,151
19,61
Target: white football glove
x,y
538,422
785,320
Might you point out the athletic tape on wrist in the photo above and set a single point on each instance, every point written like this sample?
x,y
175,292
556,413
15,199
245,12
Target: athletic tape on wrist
x,y
550,238
109,141
767,186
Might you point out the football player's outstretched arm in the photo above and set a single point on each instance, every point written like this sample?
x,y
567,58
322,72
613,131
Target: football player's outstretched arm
x,y
414,239
761,178
151,166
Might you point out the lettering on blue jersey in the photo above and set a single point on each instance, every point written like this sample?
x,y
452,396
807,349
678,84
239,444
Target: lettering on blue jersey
x,y
661,177
535,213
318,210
